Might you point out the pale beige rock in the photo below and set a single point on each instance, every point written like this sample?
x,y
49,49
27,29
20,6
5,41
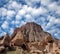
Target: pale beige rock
x,y
18,39
2,49
31,37
34,38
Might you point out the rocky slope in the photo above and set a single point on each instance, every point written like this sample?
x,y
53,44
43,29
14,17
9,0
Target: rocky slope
x,y
33,38
32,32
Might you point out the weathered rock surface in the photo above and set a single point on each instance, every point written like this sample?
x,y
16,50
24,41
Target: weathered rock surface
x,y
1,38
32,32
4,42
33,38
2,49
18,39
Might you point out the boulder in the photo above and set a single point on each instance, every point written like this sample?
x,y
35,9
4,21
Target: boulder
x,y
2,49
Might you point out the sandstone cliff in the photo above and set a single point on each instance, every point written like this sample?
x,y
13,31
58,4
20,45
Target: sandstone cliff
x,y
33,38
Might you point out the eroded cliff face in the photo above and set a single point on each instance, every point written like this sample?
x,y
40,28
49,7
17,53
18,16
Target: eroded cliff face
x,y
31,32
4,43
33,38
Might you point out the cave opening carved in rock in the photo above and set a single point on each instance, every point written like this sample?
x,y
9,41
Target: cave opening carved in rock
x,y
24,47
50,41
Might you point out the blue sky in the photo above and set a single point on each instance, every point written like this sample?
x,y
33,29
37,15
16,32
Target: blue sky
x,y
15,13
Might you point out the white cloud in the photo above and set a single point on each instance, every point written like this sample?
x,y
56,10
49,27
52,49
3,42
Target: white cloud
x,y
35,12
13,22
10,14
11,30
14,5
45,2
4,25
31,2
58,10
25,11
23,22
57,21
18,17
42,10
53,6
17,22
3,12
28,16
52,21
21,12
27,8
39,11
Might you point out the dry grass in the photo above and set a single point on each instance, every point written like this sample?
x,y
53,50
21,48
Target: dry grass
x,y
11,52
18,51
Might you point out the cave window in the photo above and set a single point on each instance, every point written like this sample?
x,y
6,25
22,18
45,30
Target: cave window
x,y
24,31
5,46
27,41
59,47
51,41
24,47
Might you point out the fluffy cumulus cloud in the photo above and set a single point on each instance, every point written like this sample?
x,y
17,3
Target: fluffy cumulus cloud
x,y
15,13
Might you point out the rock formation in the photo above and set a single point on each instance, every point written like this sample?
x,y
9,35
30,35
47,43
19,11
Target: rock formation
x,y
18,39
4,42
33,38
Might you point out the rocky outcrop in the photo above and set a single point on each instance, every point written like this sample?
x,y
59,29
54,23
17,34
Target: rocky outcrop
x,y
33,38
1,38
4,43
6,40
2,49
18,39
32,32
